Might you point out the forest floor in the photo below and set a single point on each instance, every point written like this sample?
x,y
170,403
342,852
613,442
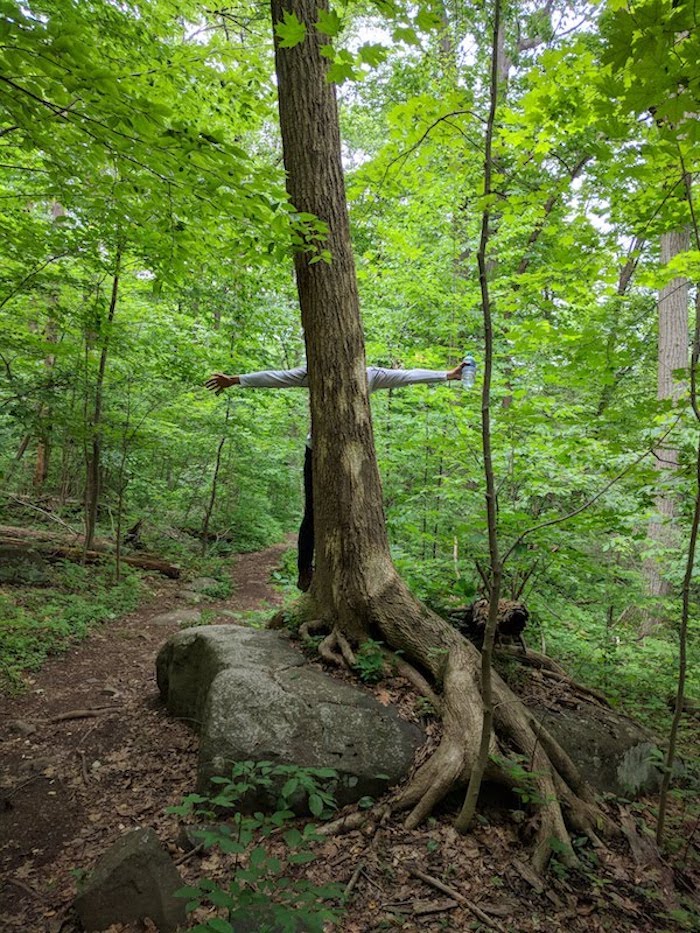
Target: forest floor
x,y
88,752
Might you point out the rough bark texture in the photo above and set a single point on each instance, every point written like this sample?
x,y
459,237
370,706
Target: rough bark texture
x,y
352,558
356,590
673,355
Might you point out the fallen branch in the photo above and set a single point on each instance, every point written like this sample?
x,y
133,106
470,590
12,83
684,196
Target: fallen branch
x,y
188,855
83,713
353,880
455,895
533,658
590,692
56,551
436,907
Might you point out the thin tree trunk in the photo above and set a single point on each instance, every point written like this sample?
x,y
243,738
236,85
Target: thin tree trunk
x,y
692,546
121,486
92,489
469,808
215,480
43,450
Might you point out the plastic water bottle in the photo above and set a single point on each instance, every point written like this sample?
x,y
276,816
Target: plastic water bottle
x,y
468,371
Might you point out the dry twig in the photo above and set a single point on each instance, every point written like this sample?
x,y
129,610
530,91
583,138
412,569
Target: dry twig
x,y
455,895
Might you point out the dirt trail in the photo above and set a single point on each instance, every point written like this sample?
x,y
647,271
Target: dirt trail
x,y
70,786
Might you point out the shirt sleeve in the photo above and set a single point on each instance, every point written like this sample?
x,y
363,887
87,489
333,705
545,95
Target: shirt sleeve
x,y
394,378
275,379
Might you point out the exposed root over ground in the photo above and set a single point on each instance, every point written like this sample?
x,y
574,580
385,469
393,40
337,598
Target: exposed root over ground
x,y
445,668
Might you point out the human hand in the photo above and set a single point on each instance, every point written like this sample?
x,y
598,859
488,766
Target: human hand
x,y
456,373
220,381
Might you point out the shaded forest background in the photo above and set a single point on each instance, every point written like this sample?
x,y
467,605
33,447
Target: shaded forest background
x,y
146,242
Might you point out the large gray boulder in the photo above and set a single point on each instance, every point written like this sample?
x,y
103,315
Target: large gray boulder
x,y
133,880
613,753
254,697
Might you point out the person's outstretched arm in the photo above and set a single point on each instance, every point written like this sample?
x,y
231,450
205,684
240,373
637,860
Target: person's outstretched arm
x,y
394,378
267,379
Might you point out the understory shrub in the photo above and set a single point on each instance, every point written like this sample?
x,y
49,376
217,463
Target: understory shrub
x,y
264,847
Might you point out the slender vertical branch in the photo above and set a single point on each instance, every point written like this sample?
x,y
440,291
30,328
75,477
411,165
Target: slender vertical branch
x,y
92,491
469,808
692,545
215,480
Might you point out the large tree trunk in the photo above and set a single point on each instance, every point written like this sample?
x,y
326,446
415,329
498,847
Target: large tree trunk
x,y
356,590
353,567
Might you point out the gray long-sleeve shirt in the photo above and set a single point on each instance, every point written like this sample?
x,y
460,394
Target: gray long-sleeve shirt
x,y
377,378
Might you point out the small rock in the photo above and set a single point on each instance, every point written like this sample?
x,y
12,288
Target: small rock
x,y
110,692
134,880
21,727
191,597
178,617
201,584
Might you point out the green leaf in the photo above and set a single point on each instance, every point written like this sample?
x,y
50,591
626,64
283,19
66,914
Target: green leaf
x,y
405,34
301,858
290,32
373,54
328,23
340,71
292,838
315,804
217,925
258,857
289,787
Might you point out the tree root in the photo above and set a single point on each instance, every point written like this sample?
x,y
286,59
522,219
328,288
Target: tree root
x,y
533,658
426,641
555,786
415,678
312,627
549,668
335,649
461,718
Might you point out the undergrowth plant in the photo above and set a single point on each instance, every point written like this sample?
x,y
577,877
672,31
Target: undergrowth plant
x,y
262,893
369,661
37,622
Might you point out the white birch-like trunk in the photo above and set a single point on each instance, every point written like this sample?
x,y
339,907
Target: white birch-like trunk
x,y
672,356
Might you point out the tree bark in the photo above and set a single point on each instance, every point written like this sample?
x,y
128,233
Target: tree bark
x,y
672,356
352,563
92,487
356,591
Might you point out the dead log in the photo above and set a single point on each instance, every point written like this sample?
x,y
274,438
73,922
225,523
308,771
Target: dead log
x,y
55,551
68,538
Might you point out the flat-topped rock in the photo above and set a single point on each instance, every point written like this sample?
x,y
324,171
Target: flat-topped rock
x,y
177,617
255,697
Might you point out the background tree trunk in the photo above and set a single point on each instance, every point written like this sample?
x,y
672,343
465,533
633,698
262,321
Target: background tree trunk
x,y
673,355
92,488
